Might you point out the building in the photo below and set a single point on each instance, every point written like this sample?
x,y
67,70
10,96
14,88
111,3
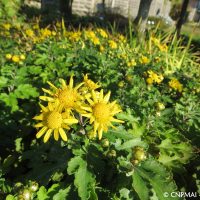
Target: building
x,y
194,10
126,8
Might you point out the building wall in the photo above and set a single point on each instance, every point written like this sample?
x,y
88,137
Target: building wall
x,y
126,8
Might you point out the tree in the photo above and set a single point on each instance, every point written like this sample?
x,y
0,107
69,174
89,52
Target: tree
x,y
142,15
182,17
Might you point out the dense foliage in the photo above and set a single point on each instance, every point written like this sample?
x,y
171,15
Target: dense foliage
x,y
155,82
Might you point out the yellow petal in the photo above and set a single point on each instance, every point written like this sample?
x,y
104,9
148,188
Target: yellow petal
x,y
41,132
63,134
53,86
100,133
62,82
44,109
107,97
90,101
39,125
78,86
38,117
94,96
56,134
47,91
92,119
116,120
96,125
50,106
47,135
70,121
88,108
101,95
88,115
71,82
45,98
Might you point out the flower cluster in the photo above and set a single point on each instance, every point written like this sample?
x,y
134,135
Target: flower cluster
x,y
176,85
144,60
65,102
154,78
157,43
15,58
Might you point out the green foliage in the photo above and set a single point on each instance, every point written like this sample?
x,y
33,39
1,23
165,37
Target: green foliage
x,y
138,159
151,174
9,9
84,180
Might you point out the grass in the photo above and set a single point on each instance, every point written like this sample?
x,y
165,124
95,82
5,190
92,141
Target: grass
x,y
192,29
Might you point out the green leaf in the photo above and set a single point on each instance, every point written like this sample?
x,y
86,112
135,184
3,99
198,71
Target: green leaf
x,y
174,155
140,187
132,143
62,194
25,91
42,193
10,197
3,81
10,100
152,173
84,180
73,164
124,194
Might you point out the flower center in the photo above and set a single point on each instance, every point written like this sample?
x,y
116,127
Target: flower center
x,y
101,112
54,120
68,97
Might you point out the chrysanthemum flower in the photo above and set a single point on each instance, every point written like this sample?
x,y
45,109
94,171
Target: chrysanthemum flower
x,y
175,84
101,112
112,44
89,83
15,58
68,96
144,60
102,33
53,120
156,78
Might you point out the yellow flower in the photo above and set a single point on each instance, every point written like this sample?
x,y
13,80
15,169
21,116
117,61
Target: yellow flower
x,y
68,96
122,38
90,34
29,33
45,33
144,60
132,63
22,57
7,26
53,120
176,85
149,81
101,48
8,56
154,77
90,84
74,36
101,112
95,40
15,59
112,44
163,48
102,33
155,41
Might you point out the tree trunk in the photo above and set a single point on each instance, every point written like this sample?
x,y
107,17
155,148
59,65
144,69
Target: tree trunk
x,y
142,15
182,17
66,7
